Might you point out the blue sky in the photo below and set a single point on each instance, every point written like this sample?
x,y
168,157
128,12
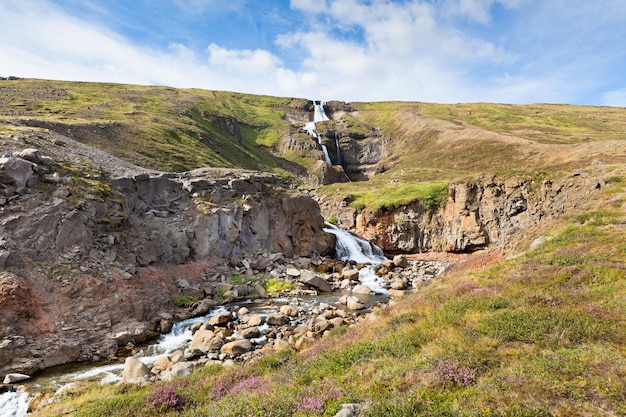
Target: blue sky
x,y
507,51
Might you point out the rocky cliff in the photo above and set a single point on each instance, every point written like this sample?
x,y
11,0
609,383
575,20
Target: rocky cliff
x,y
477,213
92,258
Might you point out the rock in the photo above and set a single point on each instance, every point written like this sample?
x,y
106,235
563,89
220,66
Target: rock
x,y
221,319
353,303
252,320
281,344
400,261
13,378
538,242
350,274
242,312
206,340
195,327
277,319
236,348
396,293
15,171
288,310
251,333
397,284
362,289
348,410
161,364
203,307
315,281
293,272
304,343
165,326
134,371
337,321
179,369
320,325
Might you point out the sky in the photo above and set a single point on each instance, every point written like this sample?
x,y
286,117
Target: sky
x,y
444,51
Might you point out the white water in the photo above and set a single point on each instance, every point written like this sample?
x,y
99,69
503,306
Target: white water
x,y
14,404
350,247
318,116
339,159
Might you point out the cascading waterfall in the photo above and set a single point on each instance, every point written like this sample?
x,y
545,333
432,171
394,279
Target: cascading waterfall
x,y
14,404
339,158
350,247
318,116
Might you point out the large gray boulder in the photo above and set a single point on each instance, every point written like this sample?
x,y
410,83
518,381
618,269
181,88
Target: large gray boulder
x,y
134,371
315,281
15,171
13,378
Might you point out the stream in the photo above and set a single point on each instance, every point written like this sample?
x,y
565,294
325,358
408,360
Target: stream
x,y
349,247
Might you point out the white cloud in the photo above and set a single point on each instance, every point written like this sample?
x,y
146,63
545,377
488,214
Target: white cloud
x,y
346,50
615,98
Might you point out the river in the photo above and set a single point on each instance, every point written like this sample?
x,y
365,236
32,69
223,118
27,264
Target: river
x,y
349,247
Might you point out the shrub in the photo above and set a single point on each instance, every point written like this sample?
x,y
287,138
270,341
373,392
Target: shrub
x,y
165,399
452,373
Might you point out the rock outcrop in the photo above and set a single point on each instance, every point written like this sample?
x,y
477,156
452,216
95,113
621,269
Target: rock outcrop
x,y
92,260
477,213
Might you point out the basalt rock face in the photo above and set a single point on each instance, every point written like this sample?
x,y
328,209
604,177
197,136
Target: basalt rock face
x,y
91,261
478,213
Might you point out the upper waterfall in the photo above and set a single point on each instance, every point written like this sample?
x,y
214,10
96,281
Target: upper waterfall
x,y
318,116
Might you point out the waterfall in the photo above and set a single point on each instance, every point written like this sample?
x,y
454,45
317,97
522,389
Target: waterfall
x,y
339,158
318,116
14,404
350,247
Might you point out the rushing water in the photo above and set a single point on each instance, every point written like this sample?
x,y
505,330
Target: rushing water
x,y
14,404
318,116
349,247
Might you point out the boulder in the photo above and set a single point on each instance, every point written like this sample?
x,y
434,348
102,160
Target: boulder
x,y
353,303
396,293
203,307
134,371
15,171
293,272
252,320
288,310
251,333
400,261
277,319
315,281
179,369
362,289
221,319
161,364
165,326
206,340
281,344
13,378
350,274
397,284
236,348
304,343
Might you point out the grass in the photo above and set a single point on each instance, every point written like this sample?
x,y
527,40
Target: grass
x,y
157,127
390,196
540,335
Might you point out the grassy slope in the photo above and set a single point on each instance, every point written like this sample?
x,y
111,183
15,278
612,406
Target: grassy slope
x,y
156,127
431,143
540,335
